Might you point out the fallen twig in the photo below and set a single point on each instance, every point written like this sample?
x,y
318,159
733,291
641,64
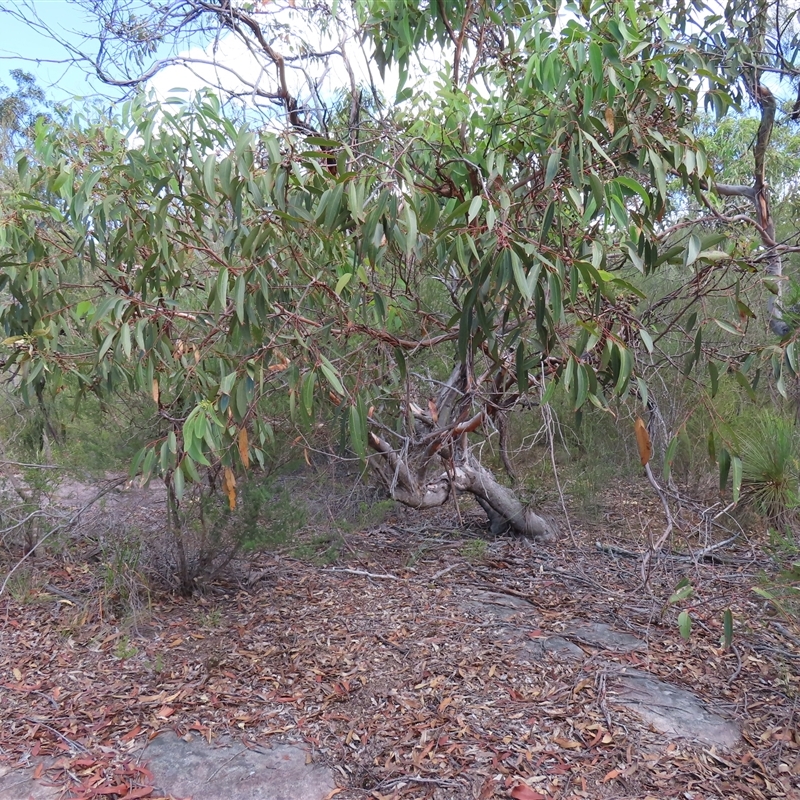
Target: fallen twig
x,y
655,548
444,571
613,550
65,739
366,574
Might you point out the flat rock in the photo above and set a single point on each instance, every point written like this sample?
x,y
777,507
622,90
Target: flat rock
x,y
675,712
598,634
501,606
19,784
561,647
195,769
554,646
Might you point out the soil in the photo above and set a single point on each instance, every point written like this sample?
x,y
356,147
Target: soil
x,y
425,662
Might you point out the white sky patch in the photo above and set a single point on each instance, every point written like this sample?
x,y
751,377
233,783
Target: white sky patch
x,y
241,68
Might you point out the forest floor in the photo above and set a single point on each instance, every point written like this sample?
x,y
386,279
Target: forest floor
x,y
389,665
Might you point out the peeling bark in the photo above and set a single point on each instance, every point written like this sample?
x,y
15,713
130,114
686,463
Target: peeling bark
x,y
436,460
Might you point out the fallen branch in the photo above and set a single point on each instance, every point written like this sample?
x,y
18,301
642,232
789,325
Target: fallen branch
x,y
443,572
613,550
656,548
366,574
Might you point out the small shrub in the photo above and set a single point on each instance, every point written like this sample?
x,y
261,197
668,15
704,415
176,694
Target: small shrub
x,y
125,649
321,549
781,585
24,586
207,534
125,584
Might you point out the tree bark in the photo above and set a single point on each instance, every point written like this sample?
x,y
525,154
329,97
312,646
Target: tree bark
x,y
440,440
758,194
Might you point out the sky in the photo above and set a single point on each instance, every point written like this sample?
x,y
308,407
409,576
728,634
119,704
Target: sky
x,y
21,46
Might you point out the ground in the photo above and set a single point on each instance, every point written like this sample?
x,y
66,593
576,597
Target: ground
x,y
425,662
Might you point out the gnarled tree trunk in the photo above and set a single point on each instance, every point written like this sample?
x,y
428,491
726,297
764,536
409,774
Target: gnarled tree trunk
x,y
435,460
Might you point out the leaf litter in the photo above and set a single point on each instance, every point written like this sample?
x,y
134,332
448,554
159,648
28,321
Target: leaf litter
x,y
389,672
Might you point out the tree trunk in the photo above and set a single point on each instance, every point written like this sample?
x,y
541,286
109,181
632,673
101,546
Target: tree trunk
x,y
758,194
439,444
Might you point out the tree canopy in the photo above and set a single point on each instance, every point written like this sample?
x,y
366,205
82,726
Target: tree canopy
x,y
408,267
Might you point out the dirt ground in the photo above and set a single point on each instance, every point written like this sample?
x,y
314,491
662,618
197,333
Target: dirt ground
x,y
388,665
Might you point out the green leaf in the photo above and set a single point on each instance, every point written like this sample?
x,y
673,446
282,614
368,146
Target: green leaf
x,y
342,282
411,228
333,208
643,394
430,214
727,327
741,379
724,468
226,384
553,163
358,430
727,628
647,339
523,281
596,62
331,375
625,368
125,339
685,624
104,348
692,250
683,590
190,469
208,175
549,392
636,187
307,394
84,308
581,387
238,293
147,466
474,207
222,288
713,374
736,463
178,483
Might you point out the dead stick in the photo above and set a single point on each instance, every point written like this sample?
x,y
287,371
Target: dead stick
x,y
670,525
365,574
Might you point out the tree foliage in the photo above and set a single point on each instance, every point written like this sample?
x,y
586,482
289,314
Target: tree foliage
x,y
504,215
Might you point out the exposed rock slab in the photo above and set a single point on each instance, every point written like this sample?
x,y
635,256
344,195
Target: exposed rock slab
x,y
598,634
19,784
672,711
195,769
516,610
501,606
556,646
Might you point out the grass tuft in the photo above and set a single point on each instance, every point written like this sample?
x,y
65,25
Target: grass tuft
x,y
770,467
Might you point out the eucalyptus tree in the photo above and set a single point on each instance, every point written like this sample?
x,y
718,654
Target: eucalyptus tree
x,y
409,269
